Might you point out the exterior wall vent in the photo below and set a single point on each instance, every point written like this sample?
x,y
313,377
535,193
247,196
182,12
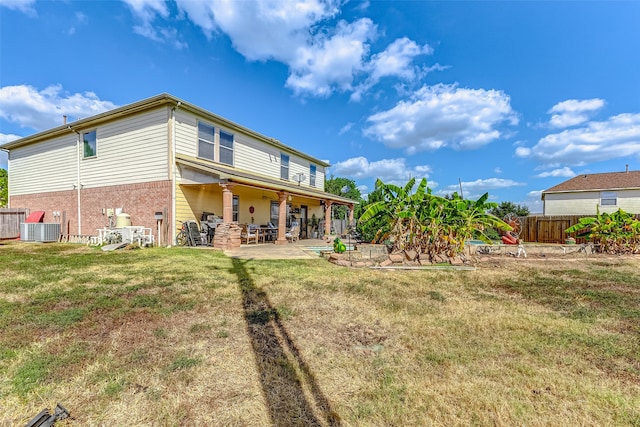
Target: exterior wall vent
x,y
39,231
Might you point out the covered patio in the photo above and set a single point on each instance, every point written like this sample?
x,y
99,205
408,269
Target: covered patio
x,y
271,207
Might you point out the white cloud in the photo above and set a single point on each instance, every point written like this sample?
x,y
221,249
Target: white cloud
x,y
320,59
331,62
394,171
346,128
24,6
323,56
396,60
147,11
40,110
498,170
443,115
8,137
573,112
475,189
563,172
618,136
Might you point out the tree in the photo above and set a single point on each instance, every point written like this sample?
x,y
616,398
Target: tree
x,y
506,208
343,187
4,188
368,230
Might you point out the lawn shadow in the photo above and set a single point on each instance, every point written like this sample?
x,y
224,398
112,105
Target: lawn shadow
x,y
284,375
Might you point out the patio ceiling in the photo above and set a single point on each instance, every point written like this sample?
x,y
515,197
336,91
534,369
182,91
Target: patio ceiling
x,y
210,172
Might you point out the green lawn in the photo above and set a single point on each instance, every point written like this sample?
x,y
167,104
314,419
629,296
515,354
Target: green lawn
x,y
191,337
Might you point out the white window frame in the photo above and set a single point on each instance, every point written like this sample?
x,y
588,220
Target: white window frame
x,y
312,175
284,168
210,144
608,198
226,150
87,143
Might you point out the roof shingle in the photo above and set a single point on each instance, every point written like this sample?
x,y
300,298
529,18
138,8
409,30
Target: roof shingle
x,y
599,181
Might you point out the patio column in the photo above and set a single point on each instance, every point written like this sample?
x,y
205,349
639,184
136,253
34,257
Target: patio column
x,y
327,217
351,215
227,203
282,218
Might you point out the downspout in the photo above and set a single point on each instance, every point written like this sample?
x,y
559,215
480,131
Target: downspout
x,y
173,174
8,193
78,181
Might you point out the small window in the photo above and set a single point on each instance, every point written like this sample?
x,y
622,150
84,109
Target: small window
x,y
284,166
608,198
235,208
90,144
312,175
205,141
226,148
275,213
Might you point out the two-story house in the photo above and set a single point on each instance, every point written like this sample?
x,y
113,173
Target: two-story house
x,y
165,155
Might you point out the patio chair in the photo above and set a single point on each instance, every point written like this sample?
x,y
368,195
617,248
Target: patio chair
x,y
249,234
271,232
293,234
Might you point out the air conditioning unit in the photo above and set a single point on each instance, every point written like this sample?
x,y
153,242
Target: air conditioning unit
x,y
39,231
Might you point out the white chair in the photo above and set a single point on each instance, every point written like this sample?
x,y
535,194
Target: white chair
x,y
249,234
293,234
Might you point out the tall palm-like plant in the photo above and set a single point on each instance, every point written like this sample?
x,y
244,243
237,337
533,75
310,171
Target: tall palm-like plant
x,y
425,223
397,209
618,232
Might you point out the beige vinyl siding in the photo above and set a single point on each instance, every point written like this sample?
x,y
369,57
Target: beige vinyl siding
x,y
187,133
256,156
584,203
249,154
43,167
629,200
320,177
129,150
571,203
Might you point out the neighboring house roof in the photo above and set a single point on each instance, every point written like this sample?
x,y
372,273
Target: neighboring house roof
x,y
147,104
599,181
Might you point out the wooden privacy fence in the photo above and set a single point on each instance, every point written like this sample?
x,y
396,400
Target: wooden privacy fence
x,y
10,219
549,229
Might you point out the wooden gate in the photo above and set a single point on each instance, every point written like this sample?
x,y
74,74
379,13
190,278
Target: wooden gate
x,y
547,229
10,219
552,230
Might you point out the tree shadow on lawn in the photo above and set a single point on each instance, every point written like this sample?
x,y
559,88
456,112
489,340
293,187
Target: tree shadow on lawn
x,y
283,372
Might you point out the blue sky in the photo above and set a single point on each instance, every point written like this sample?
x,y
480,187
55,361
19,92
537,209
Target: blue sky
x,y
505,97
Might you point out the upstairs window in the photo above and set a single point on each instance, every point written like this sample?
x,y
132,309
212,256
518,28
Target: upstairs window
x,y
226,148
608,198
312,175
206,142
284,166
90,148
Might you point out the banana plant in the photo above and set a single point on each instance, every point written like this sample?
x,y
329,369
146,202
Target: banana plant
x,y
426,223
618,232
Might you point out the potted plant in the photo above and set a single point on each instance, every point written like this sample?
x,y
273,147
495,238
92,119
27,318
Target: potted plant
x,y
314,226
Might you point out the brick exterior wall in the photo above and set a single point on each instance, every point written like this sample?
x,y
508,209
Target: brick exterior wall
x,y
140,201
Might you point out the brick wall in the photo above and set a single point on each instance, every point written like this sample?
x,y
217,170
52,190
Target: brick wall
x,y
140,201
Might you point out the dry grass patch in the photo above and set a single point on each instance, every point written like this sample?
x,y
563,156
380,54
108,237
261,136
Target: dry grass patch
x,y
184,337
